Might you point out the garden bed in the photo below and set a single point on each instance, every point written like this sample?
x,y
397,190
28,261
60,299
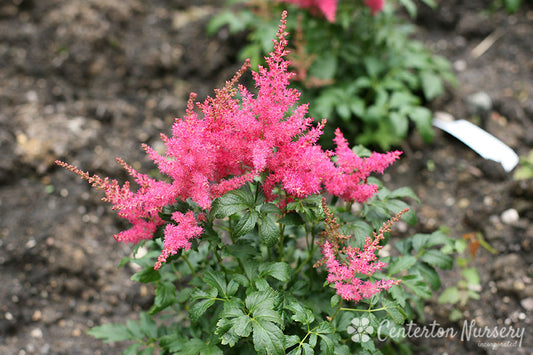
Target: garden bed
x,y
86,81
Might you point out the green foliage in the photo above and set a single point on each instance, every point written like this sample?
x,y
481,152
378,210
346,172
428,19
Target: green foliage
x,y
258,292
511,6
469,285
524,170
365,73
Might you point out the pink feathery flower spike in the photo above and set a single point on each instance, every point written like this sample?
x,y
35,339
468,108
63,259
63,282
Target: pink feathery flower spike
x,y
346,264
227,141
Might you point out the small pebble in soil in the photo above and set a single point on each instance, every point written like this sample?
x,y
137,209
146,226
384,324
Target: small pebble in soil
x,y
459,65
37,316
518,285
463,203
479,103
509,216
527,303
36,333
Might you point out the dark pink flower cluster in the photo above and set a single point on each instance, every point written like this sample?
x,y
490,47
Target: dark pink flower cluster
x,y
375,5
328,8
346,265
235,137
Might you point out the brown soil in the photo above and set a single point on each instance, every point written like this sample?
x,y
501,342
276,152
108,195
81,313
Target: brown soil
x,y
88,80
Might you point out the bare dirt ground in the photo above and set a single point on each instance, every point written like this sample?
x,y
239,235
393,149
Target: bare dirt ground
x,y
89,80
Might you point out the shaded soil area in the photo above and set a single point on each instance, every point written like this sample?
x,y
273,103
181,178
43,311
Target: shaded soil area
x,y
89,80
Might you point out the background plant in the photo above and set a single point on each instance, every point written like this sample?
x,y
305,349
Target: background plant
x,y
511,6
253,240
469,285
361,67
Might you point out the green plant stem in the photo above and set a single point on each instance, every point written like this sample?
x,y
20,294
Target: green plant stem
x,y
190,265
281,240
363,310
176,272
339,307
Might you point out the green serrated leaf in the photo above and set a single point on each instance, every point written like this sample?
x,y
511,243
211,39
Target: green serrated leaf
x,y
270,208
269,230
242,325
420,241
455,315
300,314
111,333
232,308
437,258
334,301
398,294
132,350
430,274
421,116
295,351
146,351
401,263
361,151
450,295
399,123
292,218
417,285
217,280
327,345
291,340
471,276
410,7
278,270
431,84
172,342
232,202
225,332
307,349
135,328
262,284
324,67
357,107
199,308
396,313
268,338
246,224
404,246
165,295
423,241
146,275
404,192
197,346
148,325
261,305
324,328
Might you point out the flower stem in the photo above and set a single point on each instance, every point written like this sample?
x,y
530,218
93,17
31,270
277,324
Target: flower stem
x,y
364,310
190,265
339,307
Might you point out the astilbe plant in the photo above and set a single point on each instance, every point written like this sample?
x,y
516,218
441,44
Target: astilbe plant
x,y
230,232
356,60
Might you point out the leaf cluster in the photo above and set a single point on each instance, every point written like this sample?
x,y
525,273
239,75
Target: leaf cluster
x,y
365,73
250,286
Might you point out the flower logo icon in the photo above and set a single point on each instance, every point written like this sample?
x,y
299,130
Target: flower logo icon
x,y
360,329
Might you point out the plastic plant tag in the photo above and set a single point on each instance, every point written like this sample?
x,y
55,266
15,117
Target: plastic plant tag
x,y
482,142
